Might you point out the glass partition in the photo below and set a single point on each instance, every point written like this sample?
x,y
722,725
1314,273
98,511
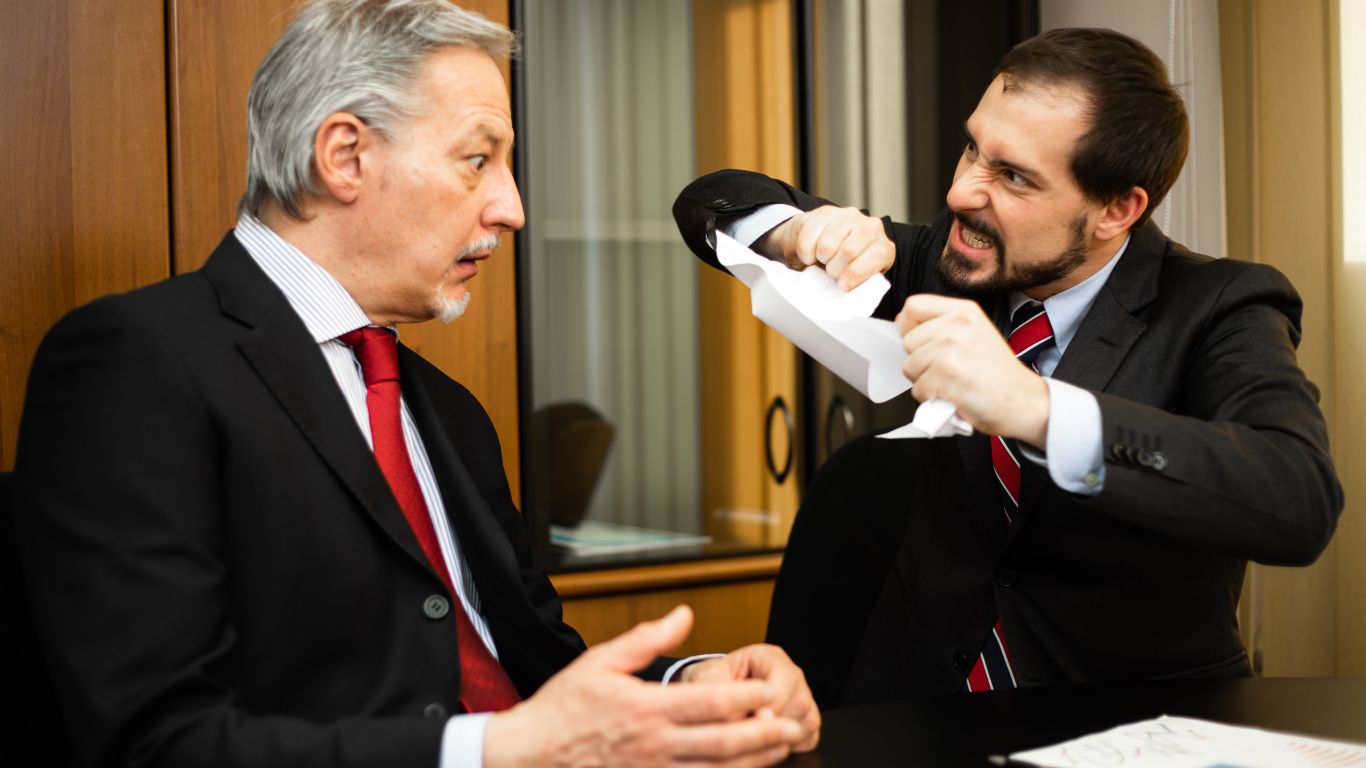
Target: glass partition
x,y
614,418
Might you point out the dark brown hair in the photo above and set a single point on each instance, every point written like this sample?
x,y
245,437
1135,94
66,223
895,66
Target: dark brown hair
x,y
1139,133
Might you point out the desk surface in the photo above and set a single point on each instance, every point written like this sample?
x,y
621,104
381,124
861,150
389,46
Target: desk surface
x,y
963,730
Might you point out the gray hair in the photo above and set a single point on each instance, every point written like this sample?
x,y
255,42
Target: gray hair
x,y
356,56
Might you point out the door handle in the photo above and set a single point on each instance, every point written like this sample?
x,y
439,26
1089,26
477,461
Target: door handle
x,y
778,406
841,409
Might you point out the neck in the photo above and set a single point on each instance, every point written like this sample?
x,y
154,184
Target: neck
x,y
1098,255
324,238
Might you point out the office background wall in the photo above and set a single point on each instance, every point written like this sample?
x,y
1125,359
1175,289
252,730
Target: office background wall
x,y
120,170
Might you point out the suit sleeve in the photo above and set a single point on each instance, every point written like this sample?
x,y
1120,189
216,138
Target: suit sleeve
x,y
709,201
123,540
1242,467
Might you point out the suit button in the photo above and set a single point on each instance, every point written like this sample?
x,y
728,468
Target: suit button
x,y
436,607
1092,479
1117,451
1159,461
960,661
1007,577
721,203
434,711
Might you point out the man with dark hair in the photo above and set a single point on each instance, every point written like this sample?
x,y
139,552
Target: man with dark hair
x,y
1141,426
258,531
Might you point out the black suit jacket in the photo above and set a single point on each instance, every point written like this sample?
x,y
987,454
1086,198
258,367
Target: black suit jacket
x,y
1215,453
218,571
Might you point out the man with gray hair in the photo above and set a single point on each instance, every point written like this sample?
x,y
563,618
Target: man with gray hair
x,y
258,531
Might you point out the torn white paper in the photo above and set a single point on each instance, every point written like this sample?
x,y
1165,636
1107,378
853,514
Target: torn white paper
x,y
934,418
1184,742
835,328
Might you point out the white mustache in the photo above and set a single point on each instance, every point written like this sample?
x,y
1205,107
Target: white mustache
x,y
489,243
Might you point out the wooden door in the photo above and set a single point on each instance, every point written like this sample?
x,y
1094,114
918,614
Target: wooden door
x,y
743,64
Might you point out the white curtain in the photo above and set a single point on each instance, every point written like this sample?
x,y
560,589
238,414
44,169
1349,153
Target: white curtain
x,y
1185,33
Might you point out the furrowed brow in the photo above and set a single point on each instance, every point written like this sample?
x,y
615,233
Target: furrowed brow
x,y
999,162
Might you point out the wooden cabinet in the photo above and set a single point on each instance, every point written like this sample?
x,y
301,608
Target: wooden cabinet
x,y
729,598
746,118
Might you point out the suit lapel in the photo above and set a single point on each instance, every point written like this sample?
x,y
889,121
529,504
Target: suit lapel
x,y
1105,335
276,345
484,545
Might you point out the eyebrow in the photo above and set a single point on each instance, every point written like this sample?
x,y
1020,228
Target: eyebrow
x,y
486,134
1000,163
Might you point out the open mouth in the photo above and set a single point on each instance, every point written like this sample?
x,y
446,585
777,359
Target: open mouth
x,y
974,238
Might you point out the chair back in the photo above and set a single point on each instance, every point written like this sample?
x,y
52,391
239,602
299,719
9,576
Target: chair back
x,y
837,563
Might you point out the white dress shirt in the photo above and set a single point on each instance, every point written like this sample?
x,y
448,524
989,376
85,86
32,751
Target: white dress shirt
x,y
1074,455
328,311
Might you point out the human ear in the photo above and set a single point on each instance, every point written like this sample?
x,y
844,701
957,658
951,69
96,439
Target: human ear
x,y
1118,217
338,146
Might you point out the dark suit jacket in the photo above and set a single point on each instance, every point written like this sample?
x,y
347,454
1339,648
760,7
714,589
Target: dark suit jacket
x,y
1215,453
218,571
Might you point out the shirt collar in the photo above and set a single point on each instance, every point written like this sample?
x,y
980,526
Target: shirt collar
x,y
321,302
1067,308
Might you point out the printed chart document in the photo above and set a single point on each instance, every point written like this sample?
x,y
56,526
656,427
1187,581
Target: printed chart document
x,y
1184,742
836,328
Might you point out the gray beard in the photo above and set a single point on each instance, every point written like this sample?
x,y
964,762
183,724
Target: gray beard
x,y
450,310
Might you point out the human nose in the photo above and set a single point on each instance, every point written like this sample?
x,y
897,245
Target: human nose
x,y
967,193
504,210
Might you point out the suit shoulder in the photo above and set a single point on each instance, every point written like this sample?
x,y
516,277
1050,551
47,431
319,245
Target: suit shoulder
x,y
1226,287
161,305
447,391
1183,267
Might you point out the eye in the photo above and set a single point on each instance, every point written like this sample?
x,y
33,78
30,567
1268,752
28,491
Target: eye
x,y
970,147
1015,178
478,161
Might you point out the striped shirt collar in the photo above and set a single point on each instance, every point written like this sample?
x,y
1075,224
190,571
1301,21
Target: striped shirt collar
x,y
1066,309
321,302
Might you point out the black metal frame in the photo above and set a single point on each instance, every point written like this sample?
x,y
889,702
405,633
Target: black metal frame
x,y
537,523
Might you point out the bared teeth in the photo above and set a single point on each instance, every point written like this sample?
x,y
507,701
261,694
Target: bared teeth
x,y
975,240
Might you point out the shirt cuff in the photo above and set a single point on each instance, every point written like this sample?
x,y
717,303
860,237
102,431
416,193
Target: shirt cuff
x,y
462,743
1074,457
678,666
752,226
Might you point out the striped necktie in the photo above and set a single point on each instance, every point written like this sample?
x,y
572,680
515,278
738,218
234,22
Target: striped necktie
x,y
1030,334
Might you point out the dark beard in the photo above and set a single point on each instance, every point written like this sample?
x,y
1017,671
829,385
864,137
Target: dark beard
x,y
954,268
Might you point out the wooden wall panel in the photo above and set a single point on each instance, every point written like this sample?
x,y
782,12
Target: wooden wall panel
x,y
83,156
215,49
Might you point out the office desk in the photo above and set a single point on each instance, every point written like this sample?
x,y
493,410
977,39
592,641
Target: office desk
x,y
963,730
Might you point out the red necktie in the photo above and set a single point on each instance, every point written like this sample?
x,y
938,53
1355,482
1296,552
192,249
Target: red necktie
x,y
1030,334
484,684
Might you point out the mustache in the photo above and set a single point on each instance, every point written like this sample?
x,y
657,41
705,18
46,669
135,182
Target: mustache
x,y
488,243
978,224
